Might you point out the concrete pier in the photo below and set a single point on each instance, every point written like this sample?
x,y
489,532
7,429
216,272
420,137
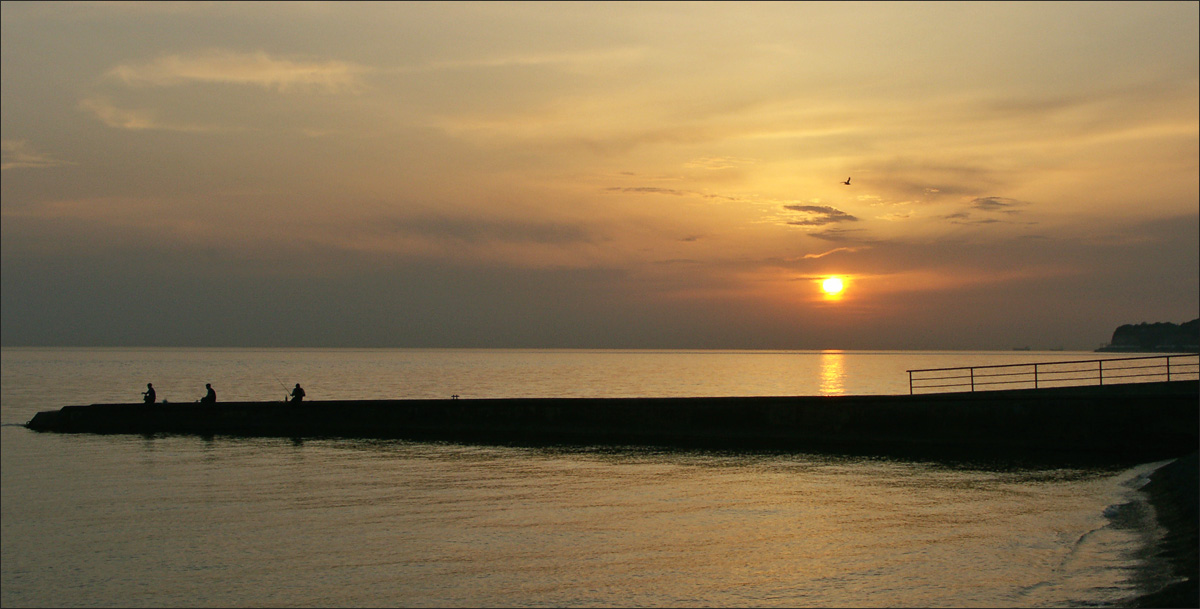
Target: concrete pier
x,y
1130,421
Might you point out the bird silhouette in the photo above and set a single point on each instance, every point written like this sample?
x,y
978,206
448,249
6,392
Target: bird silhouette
x,y
847,182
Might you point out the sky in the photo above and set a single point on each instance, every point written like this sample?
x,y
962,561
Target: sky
x,y
598,175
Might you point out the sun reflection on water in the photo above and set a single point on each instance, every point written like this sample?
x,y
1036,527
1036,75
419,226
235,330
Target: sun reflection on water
x,y
833,373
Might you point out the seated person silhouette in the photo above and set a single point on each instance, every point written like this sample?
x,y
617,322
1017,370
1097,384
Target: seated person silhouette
x,y
149,394
209,397
297,393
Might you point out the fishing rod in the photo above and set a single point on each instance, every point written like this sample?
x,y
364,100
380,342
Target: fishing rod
x,y
285,389
271,372
277,380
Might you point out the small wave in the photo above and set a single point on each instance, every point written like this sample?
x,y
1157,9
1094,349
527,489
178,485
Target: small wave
x,y
1136,515
1148,571
1110,563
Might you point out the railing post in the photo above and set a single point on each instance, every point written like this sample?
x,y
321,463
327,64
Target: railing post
x,y
1168,368
972,379
910,387
1101,363
1035,376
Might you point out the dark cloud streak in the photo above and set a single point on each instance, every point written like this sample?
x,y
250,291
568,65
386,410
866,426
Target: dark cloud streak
x,y
998,204
819,215
482,230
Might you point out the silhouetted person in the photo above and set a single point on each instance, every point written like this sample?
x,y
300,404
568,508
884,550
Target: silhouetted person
x,y
211,396
297,393
149,394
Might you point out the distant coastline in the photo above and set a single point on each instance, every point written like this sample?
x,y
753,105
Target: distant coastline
x,y
1160,337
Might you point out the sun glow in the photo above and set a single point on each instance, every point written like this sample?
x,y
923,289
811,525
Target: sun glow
x,y
833,286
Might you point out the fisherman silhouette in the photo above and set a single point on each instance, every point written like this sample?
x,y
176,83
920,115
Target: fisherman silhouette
x,y
149,393
297,393
211,396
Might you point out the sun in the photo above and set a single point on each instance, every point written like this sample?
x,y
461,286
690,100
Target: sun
x,y
833,286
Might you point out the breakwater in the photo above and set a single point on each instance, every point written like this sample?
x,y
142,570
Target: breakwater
x,y
1129,421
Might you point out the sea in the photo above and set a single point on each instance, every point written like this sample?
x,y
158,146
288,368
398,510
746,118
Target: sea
x,y
187,521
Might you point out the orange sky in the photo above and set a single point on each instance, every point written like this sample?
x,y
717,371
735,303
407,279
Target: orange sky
x,y
660,175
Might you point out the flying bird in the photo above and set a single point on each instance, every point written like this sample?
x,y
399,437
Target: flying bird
x,y
847,182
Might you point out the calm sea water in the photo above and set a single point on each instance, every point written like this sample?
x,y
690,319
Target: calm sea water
x,y
175,521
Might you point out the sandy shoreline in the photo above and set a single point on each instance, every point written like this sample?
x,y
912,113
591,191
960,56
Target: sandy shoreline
x,y
1173,491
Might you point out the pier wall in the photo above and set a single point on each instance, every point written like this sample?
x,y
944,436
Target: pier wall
x,y
1143,420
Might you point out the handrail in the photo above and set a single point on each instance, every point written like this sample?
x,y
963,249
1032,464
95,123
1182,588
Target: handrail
x,y
1094,371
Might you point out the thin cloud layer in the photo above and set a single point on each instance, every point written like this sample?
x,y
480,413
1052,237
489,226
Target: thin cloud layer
x,y
19,154
137,119
220,66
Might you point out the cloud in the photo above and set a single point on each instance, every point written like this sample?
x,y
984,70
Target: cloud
x,y
489,242
228,67
897,216
966,219
649,190
581,61
655,190
832,251
479,230
137,119
997,204
17,154
717,163
1000,205
819,215
838,234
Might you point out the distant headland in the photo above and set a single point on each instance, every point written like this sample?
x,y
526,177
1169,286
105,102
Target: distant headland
x,y
1160,337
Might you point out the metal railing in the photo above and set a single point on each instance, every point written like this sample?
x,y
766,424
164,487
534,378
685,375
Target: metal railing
x,y
1057,374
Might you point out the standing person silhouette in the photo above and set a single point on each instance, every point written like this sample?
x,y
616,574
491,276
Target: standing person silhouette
x,y
149,394
211,396
297,393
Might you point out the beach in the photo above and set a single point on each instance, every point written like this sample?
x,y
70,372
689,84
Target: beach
x,y
1172,491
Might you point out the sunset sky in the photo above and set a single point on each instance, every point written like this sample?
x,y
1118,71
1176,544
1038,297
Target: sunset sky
x,y
598,175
